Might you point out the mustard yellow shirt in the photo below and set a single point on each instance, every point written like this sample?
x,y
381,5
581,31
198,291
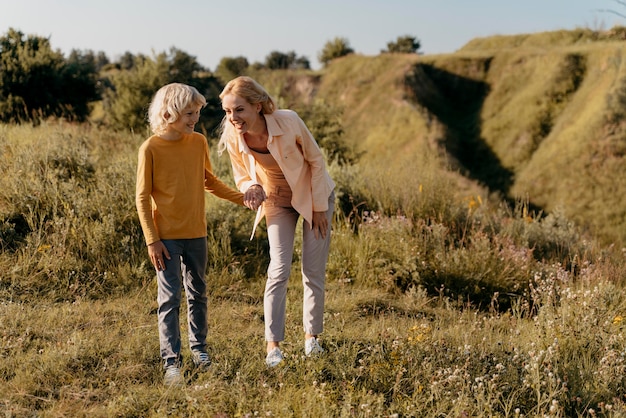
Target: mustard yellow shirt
x,y
171,179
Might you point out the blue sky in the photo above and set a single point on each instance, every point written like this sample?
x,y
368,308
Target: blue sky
x,y
211,30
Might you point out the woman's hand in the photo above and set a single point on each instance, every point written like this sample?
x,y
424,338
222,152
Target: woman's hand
x,y
158,253
320,224
254,196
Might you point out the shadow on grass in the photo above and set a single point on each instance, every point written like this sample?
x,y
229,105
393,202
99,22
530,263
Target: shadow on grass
x,y
456,101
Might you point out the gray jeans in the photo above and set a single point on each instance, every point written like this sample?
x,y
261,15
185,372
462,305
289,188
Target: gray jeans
x,y
186,268
281,228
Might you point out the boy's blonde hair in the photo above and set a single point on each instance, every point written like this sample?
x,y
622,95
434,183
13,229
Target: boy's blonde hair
x,y
168,104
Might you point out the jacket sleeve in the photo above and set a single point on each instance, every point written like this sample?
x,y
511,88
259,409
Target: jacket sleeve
x,y
241,174
321,184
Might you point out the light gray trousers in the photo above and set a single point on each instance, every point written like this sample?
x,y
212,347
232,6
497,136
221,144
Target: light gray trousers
x,y
281,229
185,269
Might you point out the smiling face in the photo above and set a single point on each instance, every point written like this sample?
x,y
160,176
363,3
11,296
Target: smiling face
x,y
185,123
244,117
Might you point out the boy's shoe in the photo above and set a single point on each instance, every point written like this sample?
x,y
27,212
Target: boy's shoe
x,y
274,357
173,376
312,347
201,359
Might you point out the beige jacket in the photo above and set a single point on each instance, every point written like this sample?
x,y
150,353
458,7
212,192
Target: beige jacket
x,y
297,154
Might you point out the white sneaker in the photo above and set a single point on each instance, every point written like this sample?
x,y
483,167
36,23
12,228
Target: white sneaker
x,y
173,377
274,357
200,359
312,347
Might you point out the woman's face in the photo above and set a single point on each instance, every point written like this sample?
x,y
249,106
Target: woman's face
x,y
241,114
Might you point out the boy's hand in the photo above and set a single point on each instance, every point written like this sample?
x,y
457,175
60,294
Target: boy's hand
x,y
158,253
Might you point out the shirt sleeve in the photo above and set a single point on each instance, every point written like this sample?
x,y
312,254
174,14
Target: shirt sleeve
x,y
214,185
143,196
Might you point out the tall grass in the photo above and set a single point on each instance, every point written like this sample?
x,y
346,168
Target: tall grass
x,y
437,304
66,202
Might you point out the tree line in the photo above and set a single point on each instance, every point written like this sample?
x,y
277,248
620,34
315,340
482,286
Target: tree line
x,y
38,82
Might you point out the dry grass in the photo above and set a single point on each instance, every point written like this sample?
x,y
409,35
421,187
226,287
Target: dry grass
x,y
463,308
442,300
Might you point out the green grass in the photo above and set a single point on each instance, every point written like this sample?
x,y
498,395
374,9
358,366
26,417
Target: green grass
x,y
447,295
437,304
528,117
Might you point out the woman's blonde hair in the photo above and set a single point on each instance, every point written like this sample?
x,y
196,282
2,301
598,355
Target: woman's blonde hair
x,y
252,92
168,104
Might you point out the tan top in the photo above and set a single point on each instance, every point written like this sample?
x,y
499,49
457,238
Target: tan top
x,y
171,179
276,186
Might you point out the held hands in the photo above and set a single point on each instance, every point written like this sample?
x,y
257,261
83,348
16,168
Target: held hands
x,y
158,253
254,196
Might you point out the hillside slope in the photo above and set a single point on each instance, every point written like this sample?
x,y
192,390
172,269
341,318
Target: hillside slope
x,y
537,117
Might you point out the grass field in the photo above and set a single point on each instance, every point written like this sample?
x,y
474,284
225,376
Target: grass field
x,y
452,306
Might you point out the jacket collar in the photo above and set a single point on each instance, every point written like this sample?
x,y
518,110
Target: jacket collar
x,y
273,128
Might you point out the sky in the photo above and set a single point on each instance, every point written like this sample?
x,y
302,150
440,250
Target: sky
x,y
211,30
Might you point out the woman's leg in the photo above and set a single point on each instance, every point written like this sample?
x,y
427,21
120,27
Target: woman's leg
x,y
314,258
281,226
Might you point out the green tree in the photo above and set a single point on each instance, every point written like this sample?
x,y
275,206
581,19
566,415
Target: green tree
x,y
101,60
127,99
404,44
183,66
335,48
126,61
80,72
276,60
126,103
302,63
231,67
37,82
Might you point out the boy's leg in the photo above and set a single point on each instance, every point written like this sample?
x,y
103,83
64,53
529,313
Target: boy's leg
x,y
194,270
281,227
168,298
314,258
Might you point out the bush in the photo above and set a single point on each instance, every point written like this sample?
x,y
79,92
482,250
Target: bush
x,y
127,99
37,82
333,49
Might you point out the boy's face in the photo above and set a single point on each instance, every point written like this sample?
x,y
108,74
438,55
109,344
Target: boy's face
x,y
186,122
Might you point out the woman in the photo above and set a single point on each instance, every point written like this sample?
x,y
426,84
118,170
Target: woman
x,y
281,170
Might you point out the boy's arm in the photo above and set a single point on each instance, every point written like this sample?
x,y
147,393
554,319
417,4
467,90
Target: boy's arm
x,y
215,186
143,200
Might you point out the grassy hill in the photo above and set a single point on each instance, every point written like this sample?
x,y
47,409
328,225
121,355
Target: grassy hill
x,y
440,299
535,117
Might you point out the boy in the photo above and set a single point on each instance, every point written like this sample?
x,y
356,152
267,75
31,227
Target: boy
x,y
174,170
